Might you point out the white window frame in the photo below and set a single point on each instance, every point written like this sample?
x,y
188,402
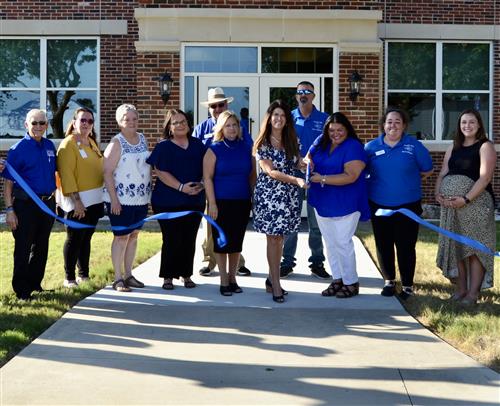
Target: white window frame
x,y
438,91
5,143
259,46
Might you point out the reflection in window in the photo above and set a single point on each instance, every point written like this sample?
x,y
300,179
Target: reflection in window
x,y
411,65
420,108
71,81
221,59
19,63
455,103
189,98
466,66
72,100
14,105
297,60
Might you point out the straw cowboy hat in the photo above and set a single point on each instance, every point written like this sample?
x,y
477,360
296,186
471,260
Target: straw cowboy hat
x,y
216,95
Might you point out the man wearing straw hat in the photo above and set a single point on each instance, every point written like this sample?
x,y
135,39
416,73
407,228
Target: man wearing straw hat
x,y
217,102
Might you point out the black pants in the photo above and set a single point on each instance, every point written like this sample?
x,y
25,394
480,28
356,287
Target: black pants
x,y
77,245
400,231
31,245
179,242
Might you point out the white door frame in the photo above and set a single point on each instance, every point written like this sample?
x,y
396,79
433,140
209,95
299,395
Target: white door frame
x,y
226,82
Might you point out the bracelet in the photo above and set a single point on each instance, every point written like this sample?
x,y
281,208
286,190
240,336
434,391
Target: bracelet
x,y
323,180
9,208
466,199
180,187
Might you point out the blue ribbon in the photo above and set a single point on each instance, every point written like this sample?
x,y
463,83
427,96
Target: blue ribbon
x,y
457,237
308,173
221,240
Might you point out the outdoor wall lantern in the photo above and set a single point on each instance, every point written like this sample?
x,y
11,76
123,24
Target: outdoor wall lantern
x,y
355,85
165,81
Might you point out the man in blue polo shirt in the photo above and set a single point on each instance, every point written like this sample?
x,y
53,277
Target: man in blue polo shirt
x,y
309,122
34,159
217,103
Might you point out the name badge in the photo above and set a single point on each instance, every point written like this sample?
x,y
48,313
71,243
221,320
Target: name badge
x,y
83,154
380,152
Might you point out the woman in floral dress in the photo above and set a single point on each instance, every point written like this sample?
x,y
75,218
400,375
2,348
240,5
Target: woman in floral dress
x,y
276,196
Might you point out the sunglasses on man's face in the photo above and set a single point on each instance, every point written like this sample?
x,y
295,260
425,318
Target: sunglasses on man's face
x,y
34,123
219,105
86,120
302,92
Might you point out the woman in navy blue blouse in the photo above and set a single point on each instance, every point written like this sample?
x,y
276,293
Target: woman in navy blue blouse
x,y
229,174
339,196
178,164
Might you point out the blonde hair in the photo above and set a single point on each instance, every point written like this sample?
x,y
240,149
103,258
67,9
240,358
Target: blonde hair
x,y
221,122
124,109
34,112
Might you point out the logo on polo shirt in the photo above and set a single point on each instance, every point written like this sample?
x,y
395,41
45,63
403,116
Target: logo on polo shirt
x,y
409,149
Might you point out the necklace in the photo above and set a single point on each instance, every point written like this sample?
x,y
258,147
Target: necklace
x,y
225,143
278,140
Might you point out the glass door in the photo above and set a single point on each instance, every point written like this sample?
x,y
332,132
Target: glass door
x,y
245,91
283,87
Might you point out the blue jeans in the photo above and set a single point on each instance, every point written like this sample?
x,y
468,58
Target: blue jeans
x,y
315,242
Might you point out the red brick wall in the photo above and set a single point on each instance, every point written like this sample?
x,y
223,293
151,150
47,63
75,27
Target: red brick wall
x,y
286,4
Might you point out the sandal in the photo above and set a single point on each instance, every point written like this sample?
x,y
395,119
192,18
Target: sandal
x,y
333,288
226,290
269,288
348,291
168,285
457,297
188,283
120,286
233,286
132,282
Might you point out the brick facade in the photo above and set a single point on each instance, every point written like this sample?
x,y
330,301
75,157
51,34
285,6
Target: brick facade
x,y
128,76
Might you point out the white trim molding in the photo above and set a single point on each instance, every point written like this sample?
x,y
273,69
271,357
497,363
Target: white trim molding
x,y
63,27
439,31
357,29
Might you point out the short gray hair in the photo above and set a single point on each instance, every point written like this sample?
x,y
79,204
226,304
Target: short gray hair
x,y
124,109
34,112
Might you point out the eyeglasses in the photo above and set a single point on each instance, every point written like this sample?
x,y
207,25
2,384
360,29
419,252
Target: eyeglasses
x,y
86,120
219,105
304,91
177,123
34,123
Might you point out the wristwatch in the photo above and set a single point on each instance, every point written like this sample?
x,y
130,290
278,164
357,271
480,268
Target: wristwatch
x,y
466,199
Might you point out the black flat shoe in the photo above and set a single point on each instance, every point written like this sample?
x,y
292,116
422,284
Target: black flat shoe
x,y
269,288
226,290
235,288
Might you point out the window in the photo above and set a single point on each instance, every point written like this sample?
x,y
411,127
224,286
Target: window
x,y
297,60
435,81
219,59
57,75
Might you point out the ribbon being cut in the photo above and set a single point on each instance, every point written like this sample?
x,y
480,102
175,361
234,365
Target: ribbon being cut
x,y
457,237
161,216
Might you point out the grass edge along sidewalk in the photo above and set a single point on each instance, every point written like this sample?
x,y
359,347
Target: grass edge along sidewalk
x,y
474,331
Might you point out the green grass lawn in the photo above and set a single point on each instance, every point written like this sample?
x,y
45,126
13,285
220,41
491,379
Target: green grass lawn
x,y
474,331
21,322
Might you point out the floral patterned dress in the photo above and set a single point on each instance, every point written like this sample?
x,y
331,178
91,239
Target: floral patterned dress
x,y
276,204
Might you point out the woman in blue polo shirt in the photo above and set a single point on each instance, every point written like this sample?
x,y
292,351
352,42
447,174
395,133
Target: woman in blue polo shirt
x,y
339,197
229,174
397,163
178,164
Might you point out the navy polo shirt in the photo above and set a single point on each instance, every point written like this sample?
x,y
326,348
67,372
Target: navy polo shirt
x,y
205,132
35,162
186,165
308,129
394,172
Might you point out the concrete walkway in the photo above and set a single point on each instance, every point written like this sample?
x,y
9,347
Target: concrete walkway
x,y
197,347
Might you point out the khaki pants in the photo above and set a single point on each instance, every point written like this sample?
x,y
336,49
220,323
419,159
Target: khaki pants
x,y
208,250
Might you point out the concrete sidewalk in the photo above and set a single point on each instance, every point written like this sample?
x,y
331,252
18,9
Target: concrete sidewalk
x,y
197,347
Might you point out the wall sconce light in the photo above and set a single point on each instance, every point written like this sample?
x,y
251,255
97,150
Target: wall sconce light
x,y
165,81
355,85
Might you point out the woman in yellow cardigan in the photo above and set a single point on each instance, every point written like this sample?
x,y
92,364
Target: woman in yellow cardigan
x,y
80,195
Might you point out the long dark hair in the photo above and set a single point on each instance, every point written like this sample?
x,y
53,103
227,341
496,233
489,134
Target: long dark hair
x,y
338,118
459,138
402,113
167,135
288,136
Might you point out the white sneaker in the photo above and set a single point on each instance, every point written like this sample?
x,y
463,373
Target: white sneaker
x,y
70,284
80,279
